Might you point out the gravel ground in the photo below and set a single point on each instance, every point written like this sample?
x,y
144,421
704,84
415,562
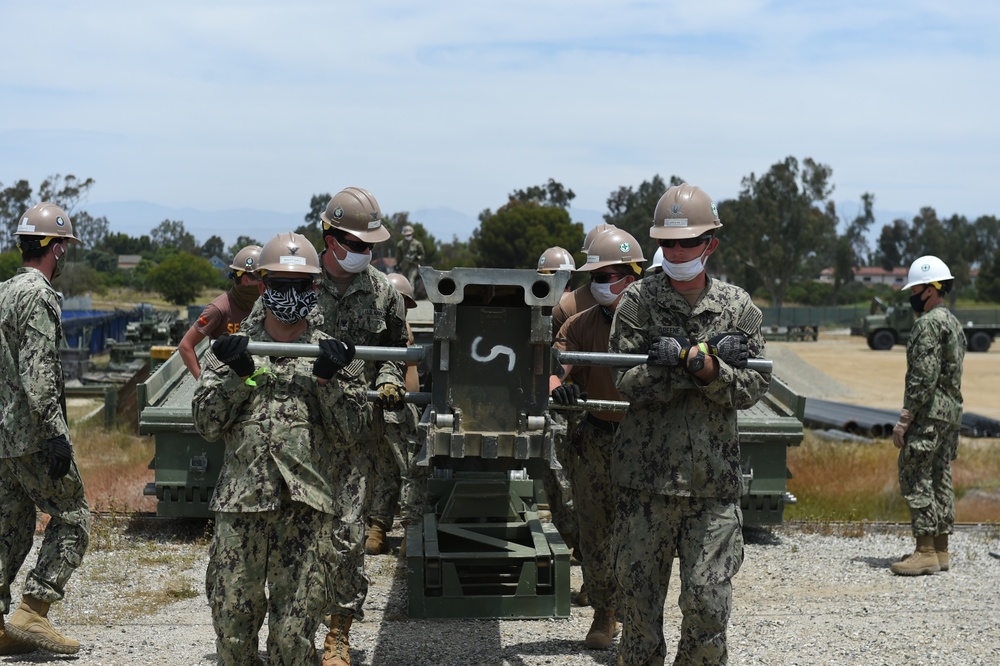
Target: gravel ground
x,y
802,598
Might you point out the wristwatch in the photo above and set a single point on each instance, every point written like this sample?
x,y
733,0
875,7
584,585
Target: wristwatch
x,y
697,364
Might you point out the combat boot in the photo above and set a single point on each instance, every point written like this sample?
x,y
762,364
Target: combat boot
x,y
924,560
602,630
9,645
375,541
941,549
29,624
337,646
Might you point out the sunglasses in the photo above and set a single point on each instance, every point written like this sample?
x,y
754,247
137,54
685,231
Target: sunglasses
x,y
283,285
355,245
605,278
685,242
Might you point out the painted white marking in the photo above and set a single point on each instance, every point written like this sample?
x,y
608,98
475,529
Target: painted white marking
x,y
496,351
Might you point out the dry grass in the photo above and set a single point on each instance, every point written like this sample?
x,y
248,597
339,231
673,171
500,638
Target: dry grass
x,y
115,467
841,481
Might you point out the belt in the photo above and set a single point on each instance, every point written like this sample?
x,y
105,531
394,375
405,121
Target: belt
x,y
610,427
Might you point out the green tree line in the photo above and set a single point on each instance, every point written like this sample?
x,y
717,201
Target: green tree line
x,y
779,233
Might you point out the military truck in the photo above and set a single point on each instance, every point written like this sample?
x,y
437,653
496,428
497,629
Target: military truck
x,y
488,433
889,324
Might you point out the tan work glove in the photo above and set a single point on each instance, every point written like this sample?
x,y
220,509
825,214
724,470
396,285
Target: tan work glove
x,y
902,425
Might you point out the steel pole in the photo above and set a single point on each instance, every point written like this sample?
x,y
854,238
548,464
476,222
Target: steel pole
x,y
366,353
631,360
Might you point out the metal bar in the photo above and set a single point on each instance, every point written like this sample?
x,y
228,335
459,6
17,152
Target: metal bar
x,y
363,352
631,360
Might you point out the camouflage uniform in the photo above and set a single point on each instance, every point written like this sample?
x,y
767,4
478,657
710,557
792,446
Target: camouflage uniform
x,y
935,352
369,313
676,465
33,411
409,256
275,499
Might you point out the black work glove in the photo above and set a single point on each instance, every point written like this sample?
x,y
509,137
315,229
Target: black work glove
x,y
390,396
568,394
733,348
669,350
232,350
334,355
60,457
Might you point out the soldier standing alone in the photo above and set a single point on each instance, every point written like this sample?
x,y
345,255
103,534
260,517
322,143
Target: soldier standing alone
x,y
927,431
409,256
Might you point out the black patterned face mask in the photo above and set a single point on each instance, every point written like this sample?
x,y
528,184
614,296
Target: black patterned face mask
x,y
289,306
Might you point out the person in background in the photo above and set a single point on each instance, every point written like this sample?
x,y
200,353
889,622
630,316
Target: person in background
x,y
224,314
409,256
614,262
676,461
287,422
37,468
927,431
580,298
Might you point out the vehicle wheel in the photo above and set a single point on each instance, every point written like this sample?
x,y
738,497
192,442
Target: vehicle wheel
x,y
980,341
881,340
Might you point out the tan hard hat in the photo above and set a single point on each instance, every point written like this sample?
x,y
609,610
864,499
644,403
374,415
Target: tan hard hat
x,y
48,220
404,287
246,260
612,247
592,233
289,252
355,211
684,211
556,259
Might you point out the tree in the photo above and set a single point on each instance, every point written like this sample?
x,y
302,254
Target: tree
x,y
64,192
79,278
851,248
518,233
215,247
242,242
171,235
317,206
988,283
119,243
9,263
453,254
180,277
632,210
892,244
552,193
91,230
14,200
786,224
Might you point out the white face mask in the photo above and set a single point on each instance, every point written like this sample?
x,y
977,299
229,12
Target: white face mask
x,y
408,236
686,270
602,292
354,262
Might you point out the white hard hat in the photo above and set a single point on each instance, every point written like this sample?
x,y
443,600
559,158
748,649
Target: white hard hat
x,y
927,269
656,263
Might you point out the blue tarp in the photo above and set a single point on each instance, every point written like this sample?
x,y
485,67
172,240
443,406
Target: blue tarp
x,y
92,328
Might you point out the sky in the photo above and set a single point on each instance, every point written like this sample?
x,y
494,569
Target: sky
x,y
457,103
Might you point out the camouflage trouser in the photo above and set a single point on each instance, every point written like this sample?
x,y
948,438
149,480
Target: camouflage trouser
x,y
25,484
288,552
707,536
558,487
350,582
925,476
390,478
593,497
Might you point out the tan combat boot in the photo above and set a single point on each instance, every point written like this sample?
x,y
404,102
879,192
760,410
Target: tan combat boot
x,y
941,549
29,624
924,560
375,542
602,630
9,645
337,646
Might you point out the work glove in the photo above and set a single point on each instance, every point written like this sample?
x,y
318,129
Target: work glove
x,y
60,457
568,394
902,425
334,355
390,396
733,348
669,350
232,350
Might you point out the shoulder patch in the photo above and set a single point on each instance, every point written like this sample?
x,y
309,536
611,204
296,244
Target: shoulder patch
x,y
628,309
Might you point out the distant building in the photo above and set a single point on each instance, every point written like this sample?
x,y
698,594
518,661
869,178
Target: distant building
x,y
871,275
219,265
127,262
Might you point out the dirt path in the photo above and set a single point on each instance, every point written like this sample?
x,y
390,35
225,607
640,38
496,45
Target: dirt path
x,y
842,367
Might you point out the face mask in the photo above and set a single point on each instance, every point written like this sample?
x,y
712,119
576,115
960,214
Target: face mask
x,y
917,301
602,292
290,306
686,270
60,262
245,296
354,262
408,236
